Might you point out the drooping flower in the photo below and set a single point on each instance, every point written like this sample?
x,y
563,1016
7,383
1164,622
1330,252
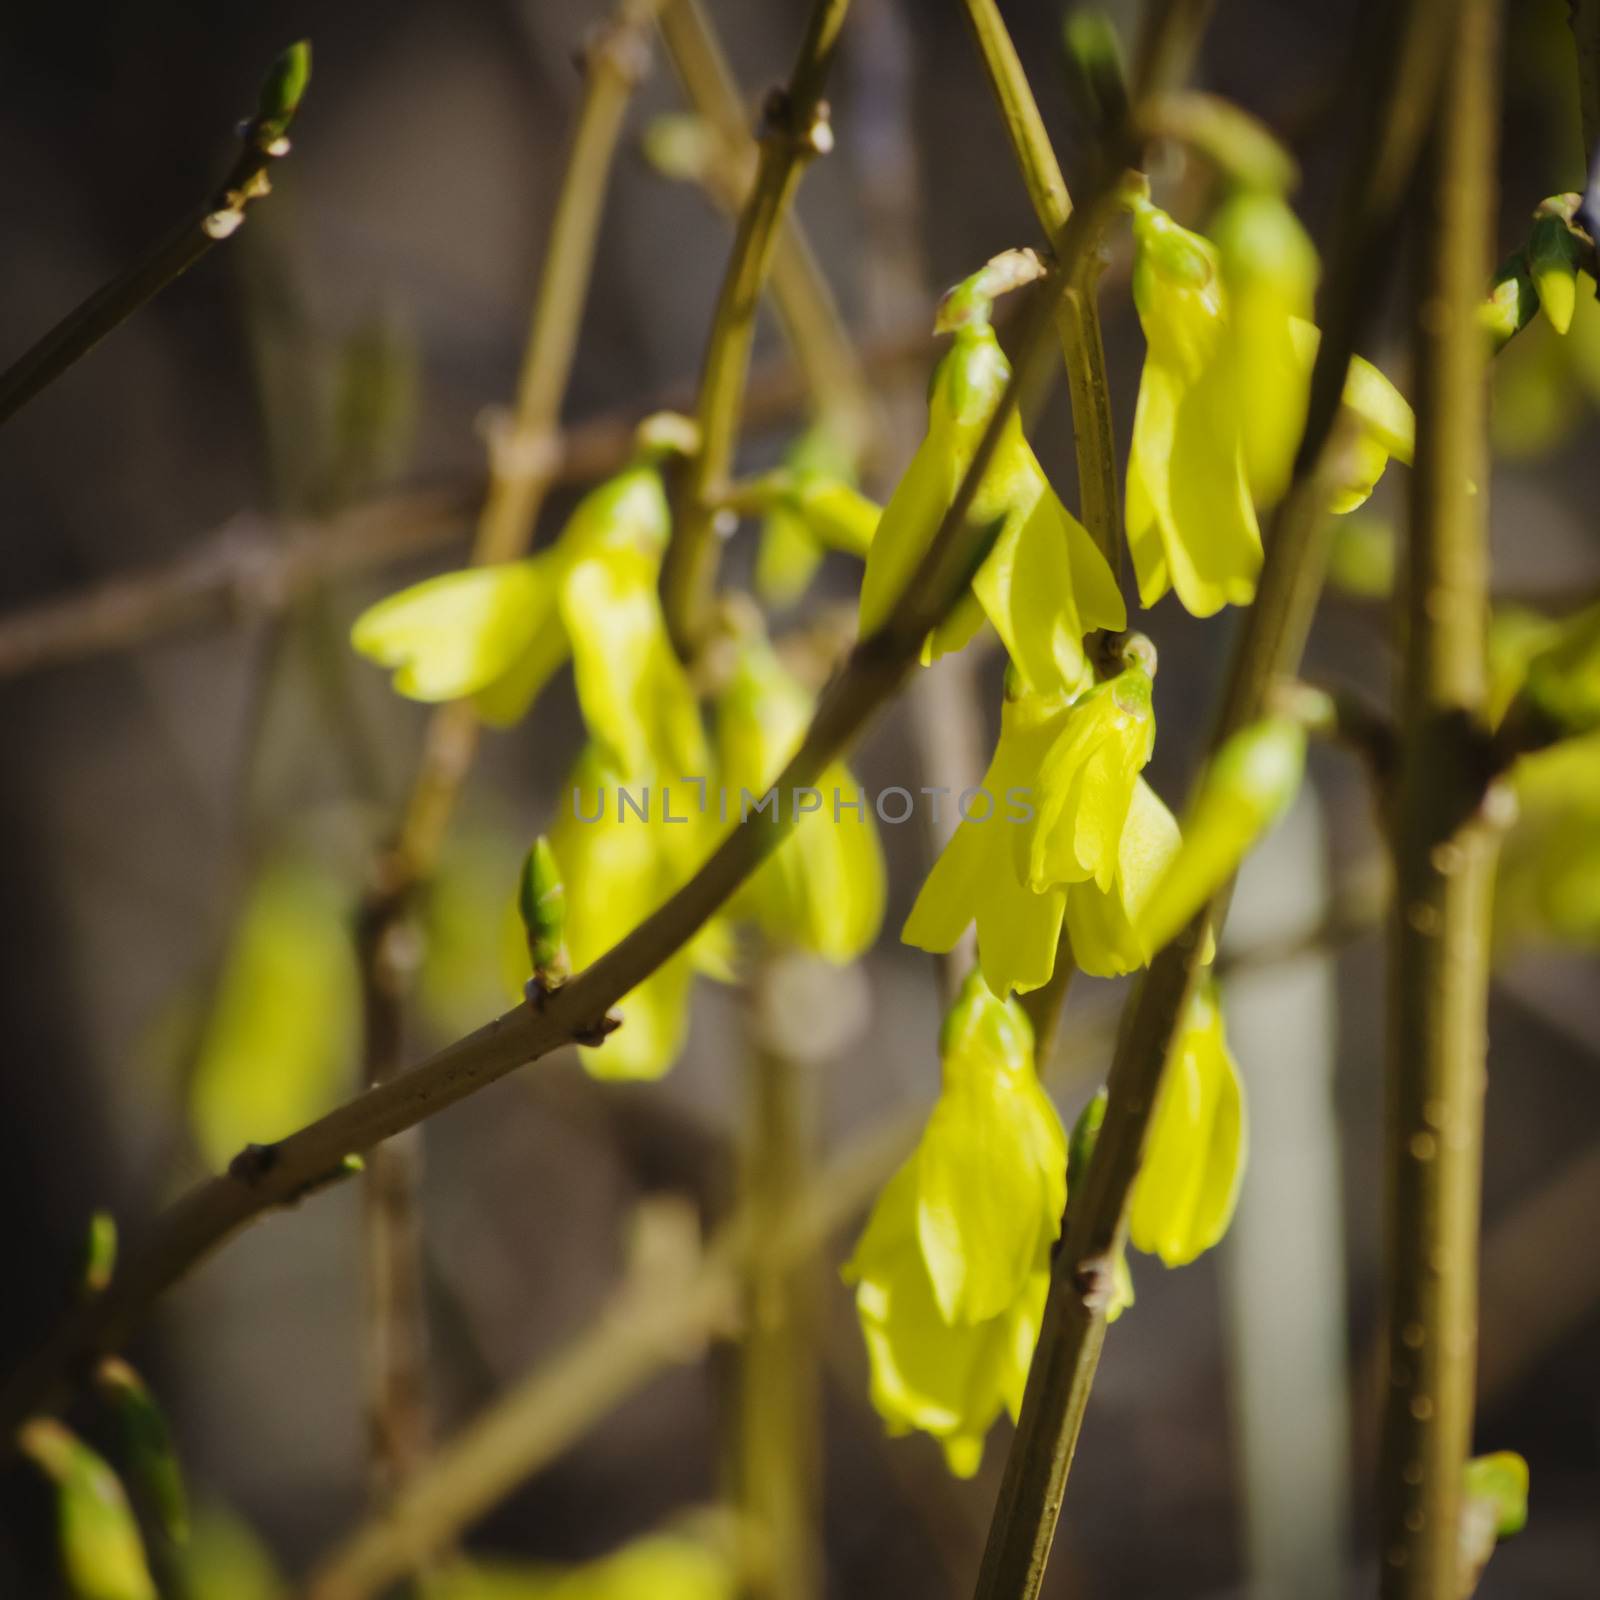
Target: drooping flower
x,y
1044,584
1191,524
1269,278
496,634
1102,923
1223,396
952,1270
617,867
823,888
1188,1184
1085,785
1058,794
976,876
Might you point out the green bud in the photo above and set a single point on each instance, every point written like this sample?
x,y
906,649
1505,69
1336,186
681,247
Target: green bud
x,y
1251,782
282,92
980,1028
1494,1505
147,1443
1512,301
681,145
1169,250
99,1253
1085,1133
1094,60
101,1551
542,903
1553,264
970,302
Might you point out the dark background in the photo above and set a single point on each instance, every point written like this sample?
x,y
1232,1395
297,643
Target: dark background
x,y
135,788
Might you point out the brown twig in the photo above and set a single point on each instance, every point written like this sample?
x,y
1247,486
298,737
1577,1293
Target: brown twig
x,y
795,129
521,470
1272,638
813,328
1445,844
264,140
257,566
263,1178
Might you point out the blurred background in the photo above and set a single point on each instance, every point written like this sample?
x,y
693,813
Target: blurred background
x,y
343,352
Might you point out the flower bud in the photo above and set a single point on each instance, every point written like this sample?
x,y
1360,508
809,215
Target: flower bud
x,y
542,905
101,1551
1553,266
147,1444
1250,783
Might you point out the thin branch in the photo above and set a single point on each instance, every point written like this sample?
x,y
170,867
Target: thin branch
x,y
1445,849
264,141
521,469
773,1426
1585,18
256,567
1270,642
795,129
647,1327
1078,322
263,1178
801,295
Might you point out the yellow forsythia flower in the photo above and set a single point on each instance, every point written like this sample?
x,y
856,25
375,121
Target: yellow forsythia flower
x,y
1269,278
952,1269
823,888
1085,785
496,634
1191,524
976,876
1222,399
617,867
1054,806
1184,1196
1044,583
1102,924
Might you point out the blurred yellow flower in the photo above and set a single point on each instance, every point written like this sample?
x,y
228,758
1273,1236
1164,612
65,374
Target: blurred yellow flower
x,y
952,1269
1184,1196
823,888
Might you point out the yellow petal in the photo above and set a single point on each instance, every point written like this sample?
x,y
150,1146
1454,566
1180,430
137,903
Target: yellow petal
x,y
456,634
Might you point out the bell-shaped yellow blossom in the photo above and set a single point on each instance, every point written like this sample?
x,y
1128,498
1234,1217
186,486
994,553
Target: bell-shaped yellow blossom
x,y
1044,584
496,634
1051,812
823,888
1085,785
977,876
617,867
1222,399
1184,1196
1102,924
992,1165
1249,784
952,1269
950,1380
1269,278
1191,524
